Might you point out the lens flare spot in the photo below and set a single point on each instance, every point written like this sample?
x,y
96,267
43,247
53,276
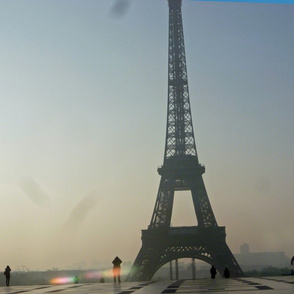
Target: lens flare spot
x,y
62,280
88,276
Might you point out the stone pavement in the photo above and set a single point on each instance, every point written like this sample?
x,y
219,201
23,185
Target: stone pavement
x,y
272,285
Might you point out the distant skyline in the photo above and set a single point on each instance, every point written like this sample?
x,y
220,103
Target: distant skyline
x,y
83,116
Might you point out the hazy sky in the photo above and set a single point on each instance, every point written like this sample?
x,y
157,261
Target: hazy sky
x,y
83,117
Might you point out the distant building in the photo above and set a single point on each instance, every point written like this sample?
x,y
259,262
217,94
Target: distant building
x,y
258,260
244,249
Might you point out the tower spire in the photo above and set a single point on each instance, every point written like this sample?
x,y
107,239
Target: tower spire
x,y
179,129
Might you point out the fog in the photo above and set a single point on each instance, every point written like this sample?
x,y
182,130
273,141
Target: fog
x,y
83,116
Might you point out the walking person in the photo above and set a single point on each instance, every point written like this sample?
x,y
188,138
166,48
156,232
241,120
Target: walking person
x,y
213,272
116,269
226,273
7,274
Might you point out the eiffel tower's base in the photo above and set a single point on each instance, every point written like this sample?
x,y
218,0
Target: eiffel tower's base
x,y
160,246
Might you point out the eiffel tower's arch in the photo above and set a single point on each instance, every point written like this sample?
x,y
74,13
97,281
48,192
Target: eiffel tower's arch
x,y
183,268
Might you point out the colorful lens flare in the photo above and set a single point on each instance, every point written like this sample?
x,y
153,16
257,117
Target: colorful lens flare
x,y
86,277
62,280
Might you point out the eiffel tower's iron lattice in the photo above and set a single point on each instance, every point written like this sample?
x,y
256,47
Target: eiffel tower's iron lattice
x,y
181,170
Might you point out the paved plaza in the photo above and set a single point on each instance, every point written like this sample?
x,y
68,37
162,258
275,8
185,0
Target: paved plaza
x,y
273,285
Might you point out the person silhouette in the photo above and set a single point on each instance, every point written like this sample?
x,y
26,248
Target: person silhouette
x,y
226,273
7,274
213,272
116,269
292,260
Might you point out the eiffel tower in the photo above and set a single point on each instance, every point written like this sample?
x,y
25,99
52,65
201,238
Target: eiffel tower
x,y
181,171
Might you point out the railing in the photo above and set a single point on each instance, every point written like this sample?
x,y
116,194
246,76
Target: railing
x,y
181,231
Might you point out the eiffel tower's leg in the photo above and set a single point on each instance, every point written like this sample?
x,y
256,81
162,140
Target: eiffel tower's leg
x,y
145,263
203,210
222,257
147,260
162,213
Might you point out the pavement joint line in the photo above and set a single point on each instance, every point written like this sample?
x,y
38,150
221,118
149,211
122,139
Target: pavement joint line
x,y
278,280
264,288
172,288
